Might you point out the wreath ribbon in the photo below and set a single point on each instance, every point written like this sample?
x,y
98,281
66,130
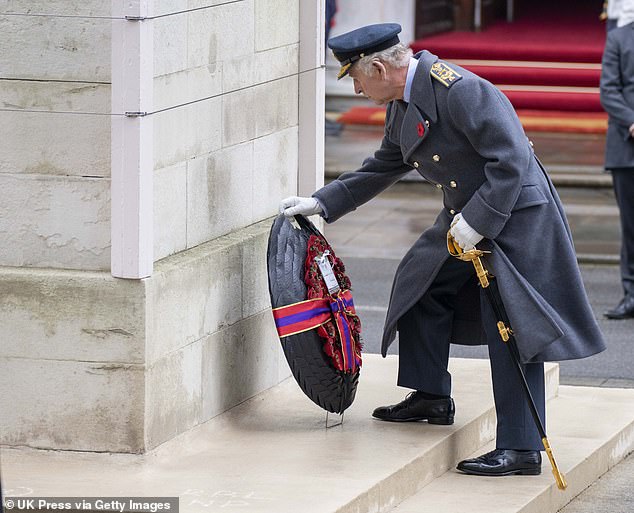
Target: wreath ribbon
x,y
307,315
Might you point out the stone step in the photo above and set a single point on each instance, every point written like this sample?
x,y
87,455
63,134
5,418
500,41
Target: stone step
x,y
273,452
590,430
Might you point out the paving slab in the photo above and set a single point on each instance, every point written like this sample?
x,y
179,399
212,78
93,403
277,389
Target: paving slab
x,y
612,492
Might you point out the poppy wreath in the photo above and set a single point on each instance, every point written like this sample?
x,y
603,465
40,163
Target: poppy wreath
x,y
332,314
319,330
342,332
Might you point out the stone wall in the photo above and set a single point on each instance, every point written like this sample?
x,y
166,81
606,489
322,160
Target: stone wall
x,y
55,125
225,153
226,148
225,88
95,363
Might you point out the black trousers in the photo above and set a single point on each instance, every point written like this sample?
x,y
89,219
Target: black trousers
x,y
424,339
623,180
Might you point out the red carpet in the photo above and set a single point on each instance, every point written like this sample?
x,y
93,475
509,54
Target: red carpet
x,y
566,100
571,122
505,72
559,32
550,50
547,62
532,120
519,41
363,116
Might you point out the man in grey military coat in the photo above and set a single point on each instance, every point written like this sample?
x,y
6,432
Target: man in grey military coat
x,y
462,134
617,98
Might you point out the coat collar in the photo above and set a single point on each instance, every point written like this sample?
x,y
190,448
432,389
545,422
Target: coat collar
x,y
422,94
422,106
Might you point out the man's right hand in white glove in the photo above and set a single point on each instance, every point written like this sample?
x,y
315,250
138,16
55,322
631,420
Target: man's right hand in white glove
x,y
465,236
295,205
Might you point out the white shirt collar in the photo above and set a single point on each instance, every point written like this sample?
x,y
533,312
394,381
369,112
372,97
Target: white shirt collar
x,y
411,71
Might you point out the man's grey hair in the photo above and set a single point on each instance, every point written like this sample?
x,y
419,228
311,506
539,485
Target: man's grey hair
x,y
397,56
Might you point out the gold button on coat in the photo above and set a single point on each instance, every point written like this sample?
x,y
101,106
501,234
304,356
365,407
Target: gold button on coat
x,y
453,184
416,164
452,211
439,185
436,158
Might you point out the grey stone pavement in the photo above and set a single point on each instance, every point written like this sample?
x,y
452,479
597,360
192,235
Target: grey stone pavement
x,y
372,239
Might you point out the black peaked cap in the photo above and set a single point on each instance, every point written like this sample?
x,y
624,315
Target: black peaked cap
x,y
348,48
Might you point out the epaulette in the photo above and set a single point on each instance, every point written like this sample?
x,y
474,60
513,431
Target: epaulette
x,y
444,74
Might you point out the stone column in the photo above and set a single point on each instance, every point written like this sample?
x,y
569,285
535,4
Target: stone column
x,y
132,138
312,96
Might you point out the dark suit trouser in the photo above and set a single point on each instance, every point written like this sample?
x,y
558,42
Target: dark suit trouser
x,y
623,180
424,339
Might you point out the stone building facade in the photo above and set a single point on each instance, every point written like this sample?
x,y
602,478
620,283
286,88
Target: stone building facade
x,y
144,147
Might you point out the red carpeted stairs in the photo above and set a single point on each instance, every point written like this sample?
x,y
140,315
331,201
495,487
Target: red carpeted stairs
x,y
548,63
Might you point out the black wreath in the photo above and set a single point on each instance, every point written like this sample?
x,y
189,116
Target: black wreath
x,y
331,389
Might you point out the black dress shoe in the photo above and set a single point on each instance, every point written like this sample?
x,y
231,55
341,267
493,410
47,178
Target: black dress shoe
x,y
504,462
416,407
624,310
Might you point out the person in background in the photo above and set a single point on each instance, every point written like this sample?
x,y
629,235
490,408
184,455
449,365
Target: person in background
x,y
331,127
331,9
617,98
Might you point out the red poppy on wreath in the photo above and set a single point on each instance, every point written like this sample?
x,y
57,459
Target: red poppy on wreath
x,y
421,129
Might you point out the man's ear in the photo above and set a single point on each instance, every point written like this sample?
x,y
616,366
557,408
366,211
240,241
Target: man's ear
x,y
380,68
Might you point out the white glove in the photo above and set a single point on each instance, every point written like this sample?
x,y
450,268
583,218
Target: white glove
x,y
295,205
632,130
465,236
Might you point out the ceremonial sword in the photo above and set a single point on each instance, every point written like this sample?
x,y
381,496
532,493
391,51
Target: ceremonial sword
x,y
489,284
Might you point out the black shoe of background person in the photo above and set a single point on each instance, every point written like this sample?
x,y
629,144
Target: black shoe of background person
x,y
503,462
417,406
624,310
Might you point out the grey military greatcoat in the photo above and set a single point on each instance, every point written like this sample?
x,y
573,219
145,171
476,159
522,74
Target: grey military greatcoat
x,y
462,134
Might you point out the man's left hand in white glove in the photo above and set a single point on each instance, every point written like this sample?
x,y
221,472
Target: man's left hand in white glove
x,y
465,236
295,205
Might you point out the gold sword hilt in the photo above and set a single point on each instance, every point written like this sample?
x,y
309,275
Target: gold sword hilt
x,y
471,255
559,477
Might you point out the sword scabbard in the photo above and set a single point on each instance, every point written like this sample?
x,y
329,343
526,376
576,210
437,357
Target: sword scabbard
x,y
559,477
506,334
